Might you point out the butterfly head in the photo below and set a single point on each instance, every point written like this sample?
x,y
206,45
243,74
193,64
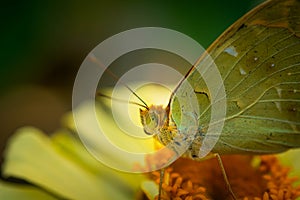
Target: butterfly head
x,y
154,119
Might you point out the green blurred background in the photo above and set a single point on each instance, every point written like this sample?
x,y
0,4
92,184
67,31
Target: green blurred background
x,y
44,42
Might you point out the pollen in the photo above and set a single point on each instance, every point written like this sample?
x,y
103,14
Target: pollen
x,y
187,179
176,187
279,184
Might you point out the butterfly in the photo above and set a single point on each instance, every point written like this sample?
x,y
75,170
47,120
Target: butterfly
x,y
258,59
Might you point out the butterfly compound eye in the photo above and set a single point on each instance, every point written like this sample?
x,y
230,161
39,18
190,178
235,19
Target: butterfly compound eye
x,y
153,119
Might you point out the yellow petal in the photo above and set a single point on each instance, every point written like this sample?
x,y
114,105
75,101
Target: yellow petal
x,y
32,156
16,192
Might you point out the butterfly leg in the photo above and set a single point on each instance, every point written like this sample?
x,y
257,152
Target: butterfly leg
x,y
224,175
161,179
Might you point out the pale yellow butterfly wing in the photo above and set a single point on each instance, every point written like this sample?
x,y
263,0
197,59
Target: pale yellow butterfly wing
x,y
258,58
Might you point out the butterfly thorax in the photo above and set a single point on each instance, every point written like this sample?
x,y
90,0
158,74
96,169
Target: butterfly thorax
x,y
156,121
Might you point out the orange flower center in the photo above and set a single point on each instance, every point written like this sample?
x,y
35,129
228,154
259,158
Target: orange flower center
x,y
188,179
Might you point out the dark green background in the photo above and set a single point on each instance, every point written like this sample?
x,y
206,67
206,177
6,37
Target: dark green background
x,y
43,44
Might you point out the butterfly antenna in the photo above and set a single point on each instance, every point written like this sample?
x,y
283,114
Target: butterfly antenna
x,y
121,100
93,58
